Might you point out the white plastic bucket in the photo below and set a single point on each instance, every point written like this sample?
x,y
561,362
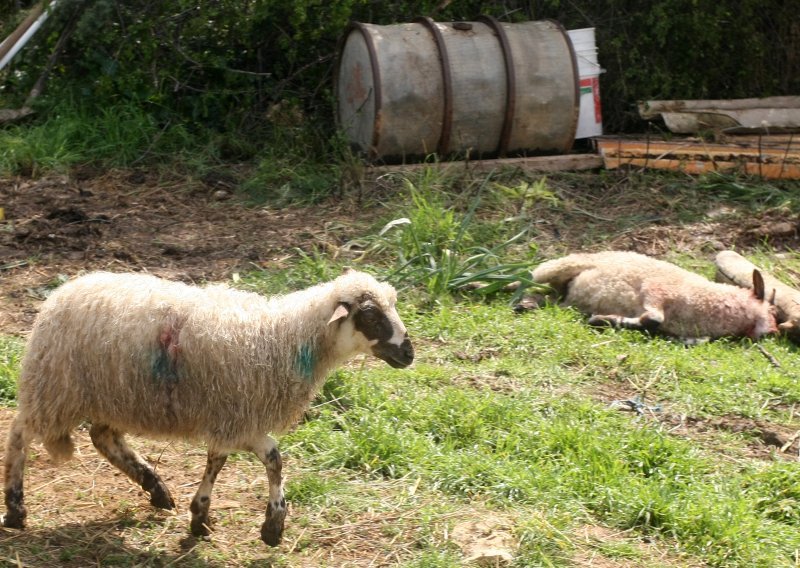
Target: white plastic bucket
x,y
590,118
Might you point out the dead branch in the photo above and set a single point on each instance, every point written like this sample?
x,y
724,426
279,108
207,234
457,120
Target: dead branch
x,y
771,358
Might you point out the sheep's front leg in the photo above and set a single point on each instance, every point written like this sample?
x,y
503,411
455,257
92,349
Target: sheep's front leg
x,y
649,321
16,451
272,529
111,444
202,499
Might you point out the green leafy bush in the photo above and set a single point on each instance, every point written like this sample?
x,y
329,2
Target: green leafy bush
x,y
224,65
10,355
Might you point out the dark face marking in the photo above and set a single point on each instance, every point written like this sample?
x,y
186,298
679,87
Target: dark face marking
x,y
370,320
374,324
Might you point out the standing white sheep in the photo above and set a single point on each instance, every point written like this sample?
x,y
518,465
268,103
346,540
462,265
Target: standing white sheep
x,y
627,289
132,353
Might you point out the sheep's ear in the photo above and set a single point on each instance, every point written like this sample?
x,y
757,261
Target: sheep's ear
x,y
342,311
347,270
758,285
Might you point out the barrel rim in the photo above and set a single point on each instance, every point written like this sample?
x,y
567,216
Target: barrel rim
x,y
362,28
576,79
511,81
443,147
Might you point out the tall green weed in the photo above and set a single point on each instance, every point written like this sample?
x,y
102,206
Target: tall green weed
x,y
434,247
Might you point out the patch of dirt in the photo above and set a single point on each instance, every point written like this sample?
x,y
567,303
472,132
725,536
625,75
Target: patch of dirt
x,y
130,221
197,230
486,542
88,501
764,440
87,513
594,540
779,228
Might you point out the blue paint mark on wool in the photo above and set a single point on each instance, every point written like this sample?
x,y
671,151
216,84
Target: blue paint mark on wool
x,y
164,368
305,361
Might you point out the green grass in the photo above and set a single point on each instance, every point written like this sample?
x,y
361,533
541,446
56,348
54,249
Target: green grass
x,y
545,444
275,165
69,135
10,353
513,417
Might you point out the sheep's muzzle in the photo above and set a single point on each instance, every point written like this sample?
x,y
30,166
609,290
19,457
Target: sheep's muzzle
x,y
398,356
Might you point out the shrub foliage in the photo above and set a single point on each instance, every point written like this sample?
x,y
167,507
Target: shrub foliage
x,y
225,64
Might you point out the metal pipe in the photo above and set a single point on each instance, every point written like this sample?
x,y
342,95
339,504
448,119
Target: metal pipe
x,y
14,36
14,48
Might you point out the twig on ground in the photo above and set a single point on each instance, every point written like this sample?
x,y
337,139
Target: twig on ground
x,y
181,557
294,544
772,360
15,264
790,441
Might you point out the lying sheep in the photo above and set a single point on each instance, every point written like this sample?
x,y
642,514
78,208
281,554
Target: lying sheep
x,y
630,290
134,353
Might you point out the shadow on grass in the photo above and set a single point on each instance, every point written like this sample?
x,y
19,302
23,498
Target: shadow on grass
x,y
112,542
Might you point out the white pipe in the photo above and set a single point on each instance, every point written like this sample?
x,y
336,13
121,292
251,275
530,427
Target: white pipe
x,y
27,35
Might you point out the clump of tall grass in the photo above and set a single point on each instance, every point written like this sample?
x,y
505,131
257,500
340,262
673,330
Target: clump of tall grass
x,y
72,133
750,191
434,247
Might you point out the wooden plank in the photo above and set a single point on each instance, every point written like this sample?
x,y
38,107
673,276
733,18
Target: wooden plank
x,y
564,162
695,157
693,147
651,109
769,171
688,116
791,141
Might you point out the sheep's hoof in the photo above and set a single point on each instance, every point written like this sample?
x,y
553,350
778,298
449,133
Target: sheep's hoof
x,y
14,520
532,302
272,529
271,534
160,497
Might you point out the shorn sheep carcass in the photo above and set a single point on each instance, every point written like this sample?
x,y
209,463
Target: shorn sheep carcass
x,y
631,290
132,353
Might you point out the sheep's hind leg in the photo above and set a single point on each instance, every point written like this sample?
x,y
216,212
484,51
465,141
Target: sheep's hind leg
x,y
272,529
202,499
111,444
16,451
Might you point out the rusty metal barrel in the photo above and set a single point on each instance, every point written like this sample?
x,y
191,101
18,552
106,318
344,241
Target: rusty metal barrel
x,y
482,88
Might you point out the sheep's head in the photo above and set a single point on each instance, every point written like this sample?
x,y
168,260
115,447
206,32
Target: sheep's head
x,y
368,317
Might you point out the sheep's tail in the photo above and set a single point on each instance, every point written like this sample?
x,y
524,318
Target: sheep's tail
x,y
558,272
60,447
